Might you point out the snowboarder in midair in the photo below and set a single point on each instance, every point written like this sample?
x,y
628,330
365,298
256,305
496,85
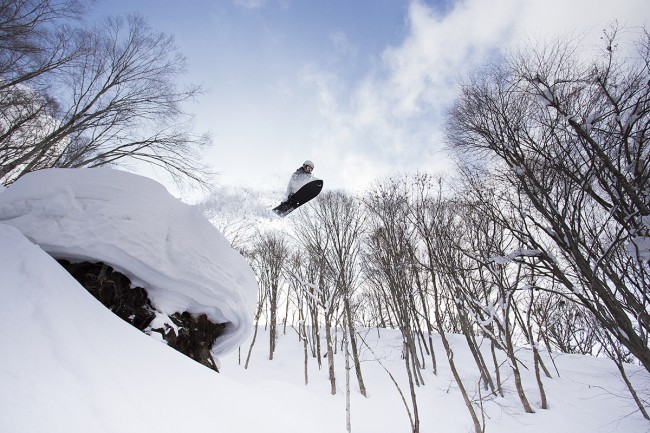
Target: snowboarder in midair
x,y
299,178
303,186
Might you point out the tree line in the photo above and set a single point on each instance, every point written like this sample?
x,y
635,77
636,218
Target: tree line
x,y
540,238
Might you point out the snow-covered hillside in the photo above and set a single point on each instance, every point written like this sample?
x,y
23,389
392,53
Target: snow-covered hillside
x,y
70,365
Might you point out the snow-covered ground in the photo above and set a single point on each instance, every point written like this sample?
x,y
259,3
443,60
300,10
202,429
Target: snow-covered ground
x,y
69,365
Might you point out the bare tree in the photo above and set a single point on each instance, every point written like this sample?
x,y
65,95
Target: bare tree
x,y
343,222
91,97
390,270
435,222
315,243
305,273
296,270
571,141
269,257
261,301
565,326
31,42
32,49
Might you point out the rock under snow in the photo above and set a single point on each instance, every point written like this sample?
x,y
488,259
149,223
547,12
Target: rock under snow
x,y
134,225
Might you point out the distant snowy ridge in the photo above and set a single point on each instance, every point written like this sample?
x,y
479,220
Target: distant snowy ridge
x,y
134,225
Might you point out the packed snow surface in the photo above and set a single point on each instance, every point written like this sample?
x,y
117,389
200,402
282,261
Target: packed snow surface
x,y
133,224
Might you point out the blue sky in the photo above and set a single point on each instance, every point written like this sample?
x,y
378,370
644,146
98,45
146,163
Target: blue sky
x,y
358,86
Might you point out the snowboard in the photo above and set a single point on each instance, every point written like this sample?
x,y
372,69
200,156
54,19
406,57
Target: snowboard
x,y
302,196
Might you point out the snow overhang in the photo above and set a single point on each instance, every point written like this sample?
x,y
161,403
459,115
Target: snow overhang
x,y
133,224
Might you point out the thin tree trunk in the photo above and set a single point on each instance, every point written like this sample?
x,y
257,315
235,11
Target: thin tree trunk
x,y
348,424
257,321
330,356
621,368
550,353
517,375
410,350
543,366
273,298
459,382
510,351
304,343
286,315
497,371
538,376
637,400
478,357
433,353
250,349
355,351
409,373
427,319
315,331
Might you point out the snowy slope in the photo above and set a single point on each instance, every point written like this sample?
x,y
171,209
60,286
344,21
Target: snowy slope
x,y
69,365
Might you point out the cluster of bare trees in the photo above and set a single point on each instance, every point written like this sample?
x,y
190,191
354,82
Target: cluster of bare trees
x,y
74,94
571,143
540,241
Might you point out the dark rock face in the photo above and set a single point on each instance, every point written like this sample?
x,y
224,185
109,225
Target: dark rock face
x,y
114,291
191,335
194,338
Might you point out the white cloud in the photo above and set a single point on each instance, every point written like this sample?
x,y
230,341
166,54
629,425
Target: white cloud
x,y
391,120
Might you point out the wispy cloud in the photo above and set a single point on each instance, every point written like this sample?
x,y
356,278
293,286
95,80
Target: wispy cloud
x,y
250,4
391,119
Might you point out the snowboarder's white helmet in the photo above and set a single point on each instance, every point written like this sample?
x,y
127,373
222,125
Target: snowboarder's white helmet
x,y
308,163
